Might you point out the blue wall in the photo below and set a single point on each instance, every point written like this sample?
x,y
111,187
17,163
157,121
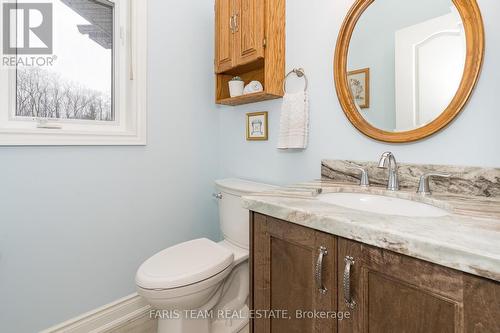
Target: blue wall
x,y
76,222
473,139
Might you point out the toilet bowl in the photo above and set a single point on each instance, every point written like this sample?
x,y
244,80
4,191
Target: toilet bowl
x,y
198,286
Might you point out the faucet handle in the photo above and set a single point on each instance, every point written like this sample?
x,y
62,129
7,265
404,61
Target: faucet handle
x,y
423,186
364,181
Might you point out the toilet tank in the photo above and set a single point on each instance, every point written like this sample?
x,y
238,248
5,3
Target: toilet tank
x,y
233,218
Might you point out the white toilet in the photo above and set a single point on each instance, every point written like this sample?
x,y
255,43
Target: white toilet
x,y
201,286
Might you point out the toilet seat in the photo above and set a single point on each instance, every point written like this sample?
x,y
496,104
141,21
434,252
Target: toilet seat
x,y
187,297
184,264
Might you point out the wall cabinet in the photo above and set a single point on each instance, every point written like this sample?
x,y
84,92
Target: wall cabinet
x,y
250,43
250,39
382,291
239,32
224,35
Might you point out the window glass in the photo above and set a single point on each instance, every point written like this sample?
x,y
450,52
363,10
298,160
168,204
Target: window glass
x,y
79,83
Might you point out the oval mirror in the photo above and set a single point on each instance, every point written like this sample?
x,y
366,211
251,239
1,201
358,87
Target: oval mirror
x,y
404,69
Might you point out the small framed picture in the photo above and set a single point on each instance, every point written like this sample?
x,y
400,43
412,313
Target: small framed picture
x,y
257,126
359,82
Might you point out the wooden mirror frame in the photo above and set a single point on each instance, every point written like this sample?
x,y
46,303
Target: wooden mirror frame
x,y
474,32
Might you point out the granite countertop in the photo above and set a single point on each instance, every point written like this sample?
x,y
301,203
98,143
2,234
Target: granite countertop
x,y
467,240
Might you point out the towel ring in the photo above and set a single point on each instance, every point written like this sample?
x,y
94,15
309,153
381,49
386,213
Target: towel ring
x,y
300,73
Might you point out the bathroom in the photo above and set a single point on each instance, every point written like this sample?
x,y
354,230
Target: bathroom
x,y
80,216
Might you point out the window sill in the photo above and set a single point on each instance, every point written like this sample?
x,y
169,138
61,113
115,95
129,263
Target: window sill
x,y
49,137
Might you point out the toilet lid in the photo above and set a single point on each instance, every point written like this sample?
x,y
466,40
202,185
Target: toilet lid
x,y
184,264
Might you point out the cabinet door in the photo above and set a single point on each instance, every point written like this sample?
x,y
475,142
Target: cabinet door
x,y
397,294
284,259
224,34
482,305
249,37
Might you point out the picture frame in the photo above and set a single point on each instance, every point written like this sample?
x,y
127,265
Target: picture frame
x,y
359,83
257,126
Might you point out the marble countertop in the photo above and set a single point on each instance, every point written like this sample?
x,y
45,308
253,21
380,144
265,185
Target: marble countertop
x,y
467,240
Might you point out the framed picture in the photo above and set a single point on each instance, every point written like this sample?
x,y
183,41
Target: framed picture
x,y
359,81
257,126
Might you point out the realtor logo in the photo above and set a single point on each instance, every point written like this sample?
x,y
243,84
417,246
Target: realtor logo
x,y
27,28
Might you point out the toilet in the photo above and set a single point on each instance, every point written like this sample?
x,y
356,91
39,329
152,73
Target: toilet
x,y
201,286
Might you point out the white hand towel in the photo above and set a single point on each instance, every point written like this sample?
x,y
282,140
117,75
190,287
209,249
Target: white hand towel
x,y
294,121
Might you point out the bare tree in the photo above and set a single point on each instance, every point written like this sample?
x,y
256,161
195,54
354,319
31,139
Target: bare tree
x,y
44,94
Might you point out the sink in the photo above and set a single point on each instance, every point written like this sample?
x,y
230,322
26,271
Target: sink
x,y
382,204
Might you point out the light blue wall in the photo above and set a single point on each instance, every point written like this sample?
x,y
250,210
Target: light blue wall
x,y
76,222
373,46
473,139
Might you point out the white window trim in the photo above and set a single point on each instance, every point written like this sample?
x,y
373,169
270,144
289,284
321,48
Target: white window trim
x,y
130,100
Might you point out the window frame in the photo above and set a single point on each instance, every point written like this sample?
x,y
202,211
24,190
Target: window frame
x,y
129,126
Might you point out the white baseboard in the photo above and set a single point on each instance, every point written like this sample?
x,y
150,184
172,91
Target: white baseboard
x,y
106,318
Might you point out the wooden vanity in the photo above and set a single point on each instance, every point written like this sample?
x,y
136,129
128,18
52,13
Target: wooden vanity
x,y
387,291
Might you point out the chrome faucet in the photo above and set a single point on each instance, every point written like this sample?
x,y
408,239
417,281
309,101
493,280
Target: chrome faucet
x,y
388,161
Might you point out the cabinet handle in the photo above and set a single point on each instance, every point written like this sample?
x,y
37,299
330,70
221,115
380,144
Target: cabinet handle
x,y
349,262
231,23
236,28
319,270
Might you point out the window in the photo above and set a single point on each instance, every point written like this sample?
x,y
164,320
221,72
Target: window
x,y
73,72
78,86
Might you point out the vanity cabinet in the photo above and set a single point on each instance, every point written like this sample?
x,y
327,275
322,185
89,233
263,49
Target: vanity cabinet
x,y
249,43
382,291
285,258
395,293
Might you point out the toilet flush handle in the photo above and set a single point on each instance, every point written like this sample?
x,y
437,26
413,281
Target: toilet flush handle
x,y
217,196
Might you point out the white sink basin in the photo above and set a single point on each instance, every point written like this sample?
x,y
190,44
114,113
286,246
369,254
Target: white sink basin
x,y
382,205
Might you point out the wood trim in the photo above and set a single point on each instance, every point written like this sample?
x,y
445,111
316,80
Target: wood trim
x,y
474,31
251,270
260,273
275,55
249,98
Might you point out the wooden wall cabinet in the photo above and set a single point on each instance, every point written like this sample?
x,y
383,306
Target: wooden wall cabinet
x,y
224,34
392,293
250,43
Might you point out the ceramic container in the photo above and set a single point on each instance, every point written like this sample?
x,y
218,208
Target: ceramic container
x,y
236,88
